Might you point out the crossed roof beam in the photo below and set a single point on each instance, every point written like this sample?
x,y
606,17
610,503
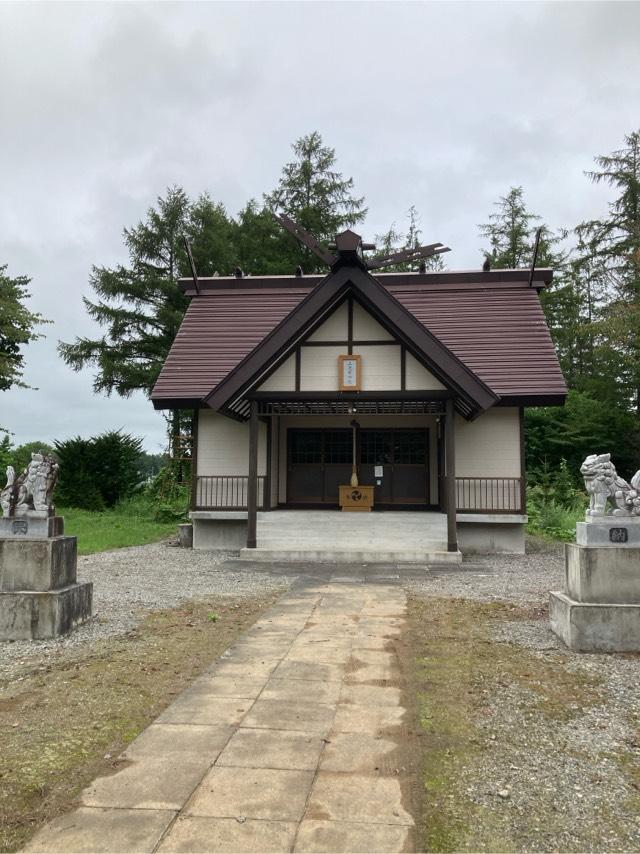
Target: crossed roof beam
x,y
349,243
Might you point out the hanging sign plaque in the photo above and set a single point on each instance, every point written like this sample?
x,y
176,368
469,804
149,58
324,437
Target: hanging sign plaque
x,y
349,373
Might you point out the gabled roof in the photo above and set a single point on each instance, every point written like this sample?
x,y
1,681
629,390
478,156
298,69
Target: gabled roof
x,y
352,279
490,327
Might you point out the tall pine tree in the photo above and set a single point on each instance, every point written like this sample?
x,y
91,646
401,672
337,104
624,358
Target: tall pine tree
x,y
140,306
316,196
612,247
17,328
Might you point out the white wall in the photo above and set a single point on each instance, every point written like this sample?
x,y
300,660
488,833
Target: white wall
x,y
283,378
417,377
223,445
366,328
335,327
490,445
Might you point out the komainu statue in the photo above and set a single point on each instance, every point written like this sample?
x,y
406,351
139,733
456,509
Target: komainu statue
x,y
602,482
32,491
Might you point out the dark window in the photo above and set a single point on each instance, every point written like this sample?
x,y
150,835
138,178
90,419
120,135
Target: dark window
x,y
375,447
338,447
306,447
410,448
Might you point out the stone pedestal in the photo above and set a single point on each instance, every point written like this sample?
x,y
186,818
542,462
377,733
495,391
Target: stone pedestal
x,y
39,595
599,610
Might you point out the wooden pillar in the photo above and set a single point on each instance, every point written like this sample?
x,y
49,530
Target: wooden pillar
x,y
194,459
266,500
523,466
450,480
252,486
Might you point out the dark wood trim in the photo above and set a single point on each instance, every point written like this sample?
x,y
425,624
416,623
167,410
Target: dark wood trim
x,y
453,279
266,502
176,402
346,345
450,462
252,485
350,325
523,464
194,457
403,368
349,396
298,367
533,400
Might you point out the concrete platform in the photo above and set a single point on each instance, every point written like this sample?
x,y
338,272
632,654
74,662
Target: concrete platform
x,y
595,627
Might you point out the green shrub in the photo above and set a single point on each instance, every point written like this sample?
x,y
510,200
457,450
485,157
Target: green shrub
x,y
98,472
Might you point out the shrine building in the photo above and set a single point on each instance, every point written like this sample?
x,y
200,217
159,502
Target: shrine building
x,y
398,394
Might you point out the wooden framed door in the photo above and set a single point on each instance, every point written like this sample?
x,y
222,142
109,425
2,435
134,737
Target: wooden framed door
x,y
403,456
318,462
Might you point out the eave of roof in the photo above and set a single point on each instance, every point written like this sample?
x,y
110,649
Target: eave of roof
x,y
454,280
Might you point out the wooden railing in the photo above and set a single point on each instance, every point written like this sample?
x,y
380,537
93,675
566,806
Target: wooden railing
x,y
226,492
489,495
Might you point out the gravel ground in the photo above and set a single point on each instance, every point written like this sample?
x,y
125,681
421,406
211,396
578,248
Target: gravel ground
x,y
520,579
574,783
128,583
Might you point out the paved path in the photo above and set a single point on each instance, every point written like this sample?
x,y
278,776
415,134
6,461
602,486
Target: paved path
x,y
285,744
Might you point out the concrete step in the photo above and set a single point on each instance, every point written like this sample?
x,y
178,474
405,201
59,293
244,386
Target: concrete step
x,y
349,556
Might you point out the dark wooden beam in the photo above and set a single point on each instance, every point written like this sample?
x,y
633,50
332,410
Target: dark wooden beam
x,y
252,486
450,479
523,465
267,481
194,458
350,396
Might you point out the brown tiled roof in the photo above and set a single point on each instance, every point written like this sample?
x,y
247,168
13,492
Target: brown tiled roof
x,y
492,322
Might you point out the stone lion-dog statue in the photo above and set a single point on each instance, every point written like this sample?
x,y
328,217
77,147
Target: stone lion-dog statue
x,y
602,482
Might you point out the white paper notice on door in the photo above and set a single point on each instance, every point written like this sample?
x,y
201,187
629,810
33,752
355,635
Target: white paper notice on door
x,y
377,471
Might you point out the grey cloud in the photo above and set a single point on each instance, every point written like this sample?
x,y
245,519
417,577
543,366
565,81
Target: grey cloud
x,y
441,105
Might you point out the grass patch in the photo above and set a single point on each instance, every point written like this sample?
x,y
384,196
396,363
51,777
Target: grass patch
x,y
131,523
64,723
460,671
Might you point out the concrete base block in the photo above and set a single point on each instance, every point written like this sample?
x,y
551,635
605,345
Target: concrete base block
x,y
491,538
28,615
349,556
612,532
593,627
37,564
185,536
31,526
603,575
219,534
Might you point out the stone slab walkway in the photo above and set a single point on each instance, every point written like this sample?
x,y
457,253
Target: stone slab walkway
x,y
287,743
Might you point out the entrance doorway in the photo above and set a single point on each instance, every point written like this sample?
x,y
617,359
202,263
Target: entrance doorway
x,y
394,460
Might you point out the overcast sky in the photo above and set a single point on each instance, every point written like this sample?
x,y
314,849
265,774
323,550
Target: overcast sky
x,y
441,105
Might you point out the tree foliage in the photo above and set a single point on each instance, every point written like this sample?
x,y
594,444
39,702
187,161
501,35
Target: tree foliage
x,y
140,306
17,328
611,254
318,197
393,240
98,472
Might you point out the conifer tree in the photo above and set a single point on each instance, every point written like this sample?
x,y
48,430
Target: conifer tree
x,y
612,247
394,241
17,328
316,196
